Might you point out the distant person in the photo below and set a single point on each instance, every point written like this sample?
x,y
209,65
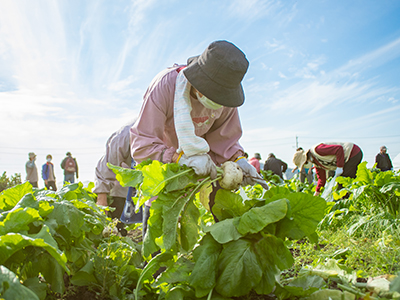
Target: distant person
x,y
275,165
255,161
246,155
31,170
306,171
383,161
118,154
343,158
48,174
70,167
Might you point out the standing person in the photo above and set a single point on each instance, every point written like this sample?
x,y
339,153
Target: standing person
x,y
276,165
255,161
70,167
31,170
306,171
383,161
118,154
48,174
343,158
189,115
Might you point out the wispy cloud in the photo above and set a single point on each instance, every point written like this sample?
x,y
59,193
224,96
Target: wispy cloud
x,y
318,90
255,9
35,50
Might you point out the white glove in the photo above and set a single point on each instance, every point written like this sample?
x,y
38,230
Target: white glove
x,y
201,164
250,174
338,172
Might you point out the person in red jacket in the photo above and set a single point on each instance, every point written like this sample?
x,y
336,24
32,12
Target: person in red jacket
x,y
343,158
255,161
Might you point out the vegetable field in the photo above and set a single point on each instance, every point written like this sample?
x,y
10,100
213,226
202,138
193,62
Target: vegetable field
x,y
283,243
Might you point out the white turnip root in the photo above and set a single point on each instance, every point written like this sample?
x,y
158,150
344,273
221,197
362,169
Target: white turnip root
x,y
232,176
107,231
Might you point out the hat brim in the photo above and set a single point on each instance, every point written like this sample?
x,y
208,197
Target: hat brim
x,y
212,90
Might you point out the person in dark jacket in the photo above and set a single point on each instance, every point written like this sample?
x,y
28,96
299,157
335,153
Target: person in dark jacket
x,y
383,161
70,167
275,165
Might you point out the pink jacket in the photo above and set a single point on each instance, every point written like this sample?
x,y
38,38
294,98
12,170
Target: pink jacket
x,y
153,135
255,163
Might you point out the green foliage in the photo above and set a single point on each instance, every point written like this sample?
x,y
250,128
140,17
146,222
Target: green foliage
x,y
11,288
7,182
47,234
369,201
241,253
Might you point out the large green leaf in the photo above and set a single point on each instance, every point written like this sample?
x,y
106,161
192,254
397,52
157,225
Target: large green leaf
x,y
257,218
67,215
85,276
127,177
155,226
224,231
306,211
267,282
189,226
273,256
11,288
10,197
274,191
154,264
300,287
180,292
228,205
171,217
239,269
51,270
13,242
177,273
36,286
363,174
179,177
154,179
203,277
272,251
18,220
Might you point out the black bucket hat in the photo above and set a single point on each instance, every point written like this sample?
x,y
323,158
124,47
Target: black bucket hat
x,y
218,72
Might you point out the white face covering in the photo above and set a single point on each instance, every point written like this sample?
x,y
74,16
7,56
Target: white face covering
x,y
208,103
49,159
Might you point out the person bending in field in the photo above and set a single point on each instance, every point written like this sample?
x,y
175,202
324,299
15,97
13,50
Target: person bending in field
x,y
117,153
343,158
189,115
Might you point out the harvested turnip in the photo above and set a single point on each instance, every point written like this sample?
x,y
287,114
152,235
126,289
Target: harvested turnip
x,y
107,231
232,176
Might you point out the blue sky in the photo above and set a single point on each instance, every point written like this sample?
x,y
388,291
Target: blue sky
x,y
73,72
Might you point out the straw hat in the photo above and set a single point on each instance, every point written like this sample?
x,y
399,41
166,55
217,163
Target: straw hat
x,y
299,158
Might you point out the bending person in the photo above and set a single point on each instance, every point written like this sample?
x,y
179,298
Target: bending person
x,y
343,158
189,114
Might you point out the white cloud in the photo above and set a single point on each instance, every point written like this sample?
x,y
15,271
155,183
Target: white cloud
x,y
281,75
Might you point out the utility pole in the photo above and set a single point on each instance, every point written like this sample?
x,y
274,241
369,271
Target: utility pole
x,y
297,142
